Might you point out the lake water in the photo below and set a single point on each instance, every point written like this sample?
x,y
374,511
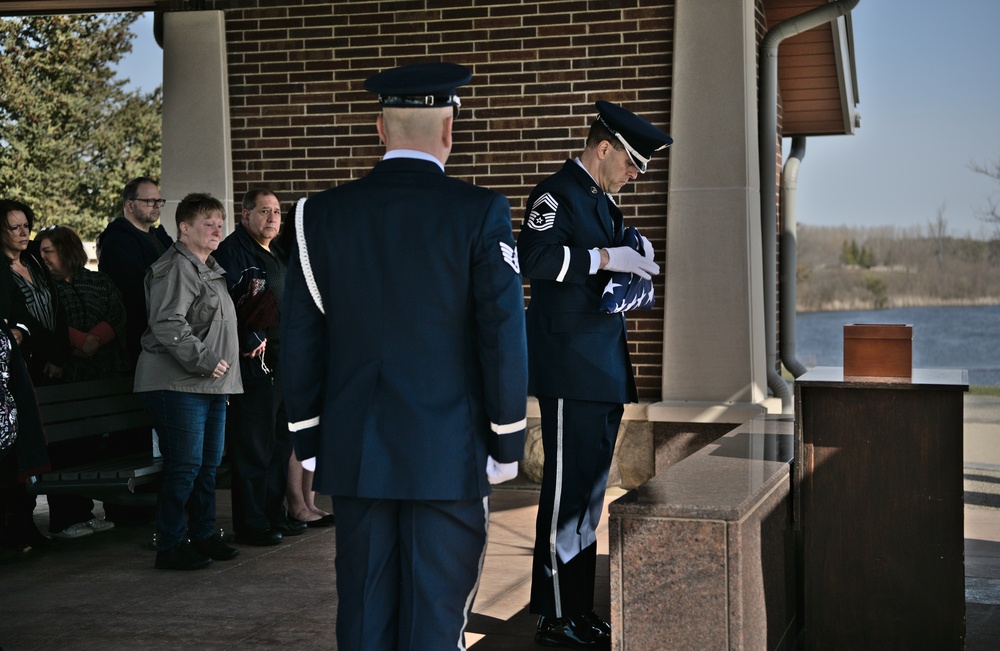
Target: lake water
x,y
943,337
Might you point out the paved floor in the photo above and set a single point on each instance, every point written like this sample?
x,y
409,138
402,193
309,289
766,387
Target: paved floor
x,y
981,439
101,592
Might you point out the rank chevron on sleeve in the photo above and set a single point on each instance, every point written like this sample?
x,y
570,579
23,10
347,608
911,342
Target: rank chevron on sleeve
x,y
543,213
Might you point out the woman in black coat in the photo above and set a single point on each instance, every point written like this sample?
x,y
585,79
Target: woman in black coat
x,y
37,315
22,442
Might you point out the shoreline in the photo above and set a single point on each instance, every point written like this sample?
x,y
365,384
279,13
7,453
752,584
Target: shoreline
x,y
898,303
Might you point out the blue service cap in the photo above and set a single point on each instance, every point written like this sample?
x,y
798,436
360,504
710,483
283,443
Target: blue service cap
x,y
639,137
419,85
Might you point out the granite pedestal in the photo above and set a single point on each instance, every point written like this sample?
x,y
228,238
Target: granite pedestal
x,y
702,556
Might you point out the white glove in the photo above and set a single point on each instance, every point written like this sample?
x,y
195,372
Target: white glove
x,y
647,247
497,473
628,260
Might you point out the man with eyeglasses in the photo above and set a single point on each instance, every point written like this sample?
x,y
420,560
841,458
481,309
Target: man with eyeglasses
x,y
257,437
126,249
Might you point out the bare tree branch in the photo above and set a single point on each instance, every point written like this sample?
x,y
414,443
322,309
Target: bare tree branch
x,y
991,213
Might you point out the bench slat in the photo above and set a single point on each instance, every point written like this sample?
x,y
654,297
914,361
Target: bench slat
x,y
55,393
93,426
90,407
134,466
81,409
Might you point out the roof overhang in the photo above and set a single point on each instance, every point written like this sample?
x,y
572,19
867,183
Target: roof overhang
x,y
27,8
817,76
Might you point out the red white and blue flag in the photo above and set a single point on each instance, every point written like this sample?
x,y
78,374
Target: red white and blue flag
x,y
627,291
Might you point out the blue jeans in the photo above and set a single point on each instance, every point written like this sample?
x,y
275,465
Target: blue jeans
x,y
191,427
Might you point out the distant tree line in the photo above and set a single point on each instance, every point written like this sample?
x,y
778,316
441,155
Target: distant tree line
x,y
71,135
851,268
853,256
841,268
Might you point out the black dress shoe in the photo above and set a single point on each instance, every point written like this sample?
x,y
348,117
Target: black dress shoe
x,y
182,557
290,528
325,521
215,548
265,538
10,555
595,620
571,633
30,536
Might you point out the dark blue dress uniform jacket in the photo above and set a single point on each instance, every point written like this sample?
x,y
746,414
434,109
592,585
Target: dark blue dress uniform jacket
x,y
418,369
575,350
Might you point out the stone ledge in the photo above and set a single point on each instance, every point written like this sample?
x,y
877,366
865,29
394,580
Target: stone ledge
x,y
647,440
633,410
691,411
702,555
720,481
683,411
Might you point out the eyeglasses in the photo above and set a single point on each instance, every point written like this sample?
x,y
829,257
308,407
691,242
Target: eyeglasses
x,y
152,203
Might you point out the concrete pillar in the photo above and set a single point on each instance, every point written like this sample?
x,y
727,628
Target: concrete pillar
x,y
197,151
714,354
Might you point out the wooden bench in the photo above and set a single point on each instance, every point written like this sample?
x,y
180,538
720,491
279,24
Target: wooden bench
x,y
89,409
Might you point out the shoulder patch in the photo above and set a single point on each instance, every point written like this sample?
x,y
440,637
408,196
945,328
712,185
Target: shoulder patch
x,y
509,255
543,213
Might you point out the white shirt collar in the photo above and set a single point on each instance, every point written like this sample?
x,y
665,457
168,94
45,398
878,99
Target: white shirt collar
x,y
607,194
584,168
412,153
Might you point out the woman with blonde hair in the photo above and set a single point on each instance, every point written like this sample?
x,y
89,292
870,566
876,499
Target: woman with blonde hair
x,y
186,369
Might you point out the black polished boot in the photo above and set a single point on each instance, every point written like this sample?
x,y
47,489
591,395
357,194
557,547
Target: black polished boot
x,y
571,633
595,620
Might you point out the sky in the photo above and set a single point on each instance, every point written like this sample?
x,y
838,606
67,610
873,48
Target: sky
x,y
929,99
144,66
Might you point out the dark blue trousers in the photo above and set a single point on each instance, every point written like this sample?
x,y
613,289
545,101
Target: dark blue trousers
x,y
259,447
407,572
578,439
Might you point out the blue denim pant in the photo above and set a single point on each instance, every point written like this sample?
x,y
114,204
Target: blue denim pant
x,y
191,427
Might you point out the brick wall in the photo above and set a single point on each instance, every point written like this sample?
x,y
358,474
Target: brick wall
x,y
301,121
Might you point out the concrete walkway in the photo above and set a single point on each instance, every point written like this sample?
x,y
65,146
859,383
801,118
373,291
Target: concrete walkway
x,y
101,592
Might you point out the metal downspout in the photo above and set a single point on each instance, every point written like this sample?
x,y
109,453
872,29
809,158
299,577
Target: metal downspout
x,y
768,145
788,264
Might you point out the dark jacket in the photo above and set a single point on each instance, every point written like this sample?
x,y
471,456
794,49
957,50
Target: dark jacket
x,y
40,345
417,370
575,350
257,309
90,300
30,445
125,253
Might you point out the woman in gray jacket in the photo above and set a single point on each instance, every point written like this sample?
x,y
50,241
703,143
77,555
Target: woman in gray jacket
x,y
185,371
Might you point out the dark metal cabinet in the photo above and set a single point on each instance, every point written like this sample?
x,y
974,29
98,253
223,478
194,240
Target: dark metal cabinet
x,y
879,509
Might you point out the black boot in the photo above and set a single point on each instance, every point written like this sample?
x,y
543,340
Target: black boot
x,y
21,529
181,557
571,632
